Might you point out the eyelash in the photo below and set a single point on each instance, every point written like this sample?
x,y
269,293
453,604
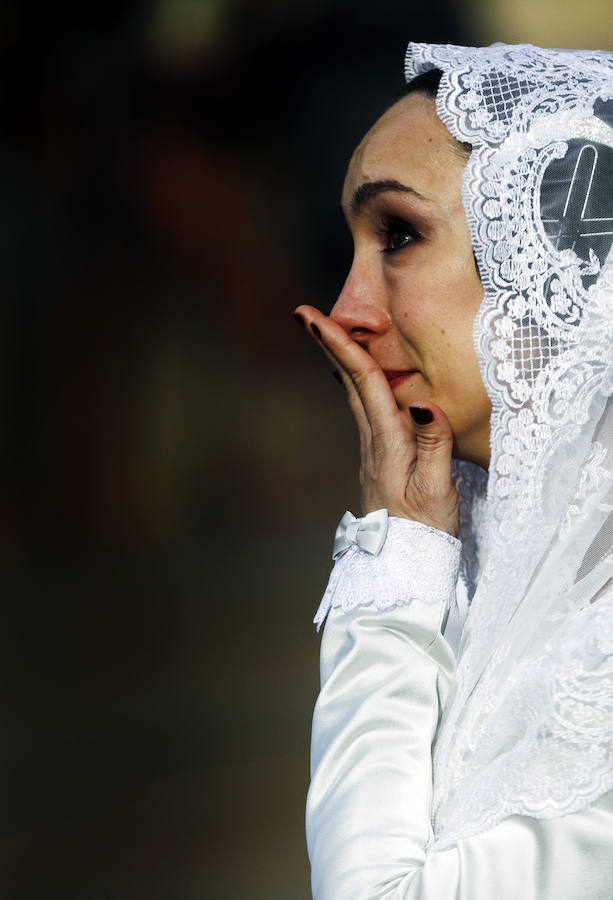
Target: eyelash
x,y
397,226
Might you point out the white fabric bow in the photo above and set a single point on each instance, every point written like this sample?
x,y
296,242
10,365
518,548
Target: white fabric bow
x,y
367,533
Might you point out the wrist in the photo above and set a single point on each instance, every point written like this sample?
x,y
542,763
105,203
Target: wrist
x,y
415,563
446,519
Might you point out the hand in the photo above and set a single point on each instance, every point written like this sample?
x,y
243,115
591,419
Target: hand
x,y
405,466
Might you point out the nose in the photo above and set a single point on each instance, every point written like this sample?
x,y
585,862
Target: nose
x,y
360,308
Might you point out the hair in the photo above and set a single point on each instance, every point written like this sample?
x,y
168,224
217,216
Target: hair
x,y
427,83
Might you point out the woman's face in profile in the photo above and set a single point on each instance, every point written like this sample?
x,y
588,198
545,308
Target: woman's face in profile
x,y
413,290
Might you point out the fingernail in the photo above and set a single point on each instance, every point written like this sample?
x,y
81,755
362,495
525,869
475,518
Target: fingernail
x,y
421,415
335,372
299,319
315,330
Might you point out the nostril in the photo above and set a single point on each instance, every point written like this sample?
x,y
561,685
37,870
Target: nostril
x,y
361,334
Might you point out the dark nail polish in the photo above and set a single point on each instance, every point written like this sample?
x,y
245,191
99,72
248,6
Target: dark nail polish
x,y
315,330
337,376
421,416
299,319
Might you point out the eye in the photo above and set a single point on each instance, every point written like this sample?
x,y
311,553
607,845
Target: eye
x,y
396,234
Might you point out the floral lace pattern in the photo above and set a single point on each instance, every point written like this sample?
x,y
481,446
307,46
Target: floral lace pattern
x,y
566,703
592,476
537,198
416,564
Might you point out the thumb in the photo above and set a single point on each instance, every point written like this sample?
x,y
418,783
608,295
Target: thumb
x,y
432,474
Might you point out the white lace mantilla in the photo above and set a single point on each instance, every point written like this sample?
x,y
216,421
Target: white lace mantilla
x,y
528,727
417,564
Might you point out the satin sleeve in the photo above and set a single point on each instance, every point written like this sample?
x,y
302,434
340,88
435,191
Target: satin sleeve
x,y
386,670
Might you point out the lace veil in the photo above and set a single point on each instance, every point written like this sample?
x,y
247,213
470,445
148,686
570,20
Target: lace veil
x,y
528,727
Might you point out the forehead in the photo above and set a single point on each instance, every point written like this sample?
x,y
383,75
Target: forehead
x,y
409,144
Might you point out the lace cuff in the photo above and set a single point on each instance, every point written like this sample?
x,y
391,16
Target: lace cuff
x,y
416,563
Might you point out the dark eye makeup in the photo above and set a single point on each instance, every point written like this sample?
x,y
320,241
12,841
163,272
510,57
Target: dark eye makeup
x,y
397,234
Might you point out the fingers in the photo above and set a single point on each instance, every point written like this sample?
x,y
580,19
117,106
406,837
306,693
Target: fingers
x,y
432,477
355,402
405,460
434,443
358,369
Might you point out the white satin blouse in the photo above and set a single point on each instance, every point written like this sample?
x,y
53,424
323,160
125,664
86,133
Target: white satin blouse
x,y
385,677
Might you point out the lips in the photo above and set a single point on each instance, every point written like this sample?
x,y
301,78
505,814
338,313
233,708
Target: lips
x,y
396,377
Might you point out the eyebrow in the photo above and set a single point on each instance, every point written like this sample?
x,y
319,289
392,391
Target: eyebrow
x,y
372,188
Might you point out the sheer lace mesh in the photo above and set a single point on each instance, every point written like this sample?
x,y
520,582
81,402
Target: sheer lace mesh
x,y
529,725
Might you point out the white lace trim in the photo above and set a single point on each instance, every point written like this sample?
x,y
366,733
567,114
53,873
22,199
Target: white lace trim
x,y
416,564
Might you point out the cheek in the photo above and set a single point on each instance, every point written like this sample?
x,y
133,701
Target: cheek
x,y
430,316
461,302
416,300
436,314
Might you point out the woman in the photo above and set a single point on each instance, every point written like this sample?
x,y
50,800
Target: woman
x,y
463,738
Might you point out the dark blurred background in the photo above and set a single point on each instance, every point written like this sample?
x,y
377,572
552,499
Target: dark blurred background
x,y
175,453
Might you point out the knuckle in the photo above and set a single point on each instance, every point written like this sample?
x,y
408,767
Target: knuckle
x,y
435,440
362,376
